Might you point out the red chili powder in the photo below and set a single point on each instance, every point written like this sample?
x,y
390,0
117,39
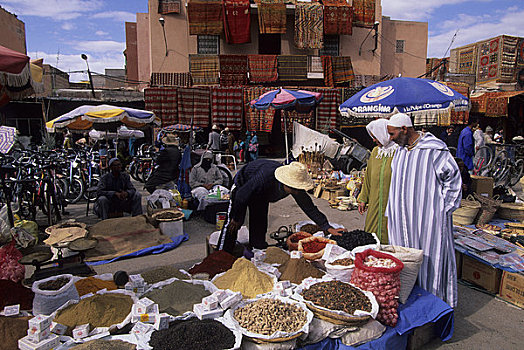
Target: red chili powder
x,y
12,293
313,246
215,263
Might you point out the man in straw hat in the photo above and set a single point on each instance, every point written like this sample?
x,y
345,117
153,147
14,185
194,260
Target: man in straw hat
x,y
168,161
425,190
262,182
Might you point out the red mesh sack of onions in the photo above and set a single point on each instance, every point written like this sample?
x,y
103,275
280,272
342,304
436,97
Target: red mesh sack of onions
x,y
379,273
10,268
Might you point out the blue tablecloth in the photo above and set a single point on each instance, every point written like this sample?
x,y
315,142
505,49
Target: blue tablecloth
x,y
421,308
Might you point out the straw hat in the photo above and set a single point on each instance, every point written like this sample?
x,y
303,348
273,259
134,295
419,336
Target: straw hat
x,y
294,175
170,140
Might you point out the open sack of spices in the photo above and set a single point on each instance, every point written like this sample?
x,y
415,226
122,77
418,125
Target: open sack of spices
x,y
312,247
93,284
103,311
271,319
53,292
357,241
379,273
338,301
341,266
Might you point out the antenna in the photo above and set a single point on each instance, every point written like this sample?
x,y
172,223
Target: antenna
x,y
451,43
57,56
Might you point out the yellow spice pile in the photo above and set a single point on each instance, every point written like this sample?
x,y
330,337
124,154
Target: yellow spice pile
x,y
245,278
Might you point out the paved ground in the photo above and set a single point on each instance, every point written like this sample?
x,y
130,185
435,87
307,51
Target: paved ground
x,y
481,321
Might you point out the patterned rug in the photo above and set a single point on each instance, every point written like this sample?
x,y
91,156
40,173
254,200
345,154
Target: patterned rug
x,y
520,53
168,6
343,70
193,102
262,68
271,16
432,63
459,117
292,67
171,79
226,107
257,120
508,59
364,13
163,102
467,59
205,17
204,69
237,21
488,59
309,25
328,116
338,17
327,65
233,70
306,119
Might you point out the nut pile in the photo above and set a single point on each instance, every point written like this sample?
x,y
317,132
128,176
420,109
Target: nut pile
x,y
310,228
336,295
343,262
55,284
379,262
353,239
267,316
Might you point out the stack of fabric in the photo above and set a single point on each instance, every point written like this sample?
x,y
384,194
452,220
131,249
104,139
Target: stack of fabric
x,y
343,70
171,79
237,21
292,67
262,68
255,119
338,17
163,102
226,107
309,25
271,16
193,103
205,17
233,70
204,69
364,13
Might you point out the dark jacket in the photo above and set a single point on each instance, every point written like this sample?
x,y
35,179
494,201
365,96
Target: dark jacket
x,y
109,185
168,167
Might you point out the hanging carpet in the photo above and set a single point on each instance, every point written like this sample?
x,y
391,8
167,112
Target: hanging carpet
x,y
205,17
193,102
168,6
327,65
233,70
342,70
171,79
364,13
163,102
262,68
226,107
338,17
237,21
204,69
292,67
271,16
328,115
257,120
309,25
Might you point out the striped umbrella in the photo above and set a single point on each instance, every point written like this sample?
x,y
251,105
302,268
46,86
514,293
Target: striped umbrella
x,y
7,138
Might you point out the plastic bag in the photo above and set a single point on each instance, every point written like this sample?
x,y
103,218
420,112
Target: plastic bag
x,y
383,282
48,301
10,268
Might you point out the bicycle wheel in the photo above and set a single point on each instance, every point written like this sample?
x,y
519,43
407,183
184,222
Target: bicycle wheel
x,y
94,183
133,167
227,178
516,172
500,166
75,191
483,158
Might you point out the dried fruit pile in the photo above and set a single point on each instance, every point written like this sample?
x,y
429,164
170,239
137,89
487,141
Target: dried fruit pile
x,y
267,316
336,295
343,262
353,239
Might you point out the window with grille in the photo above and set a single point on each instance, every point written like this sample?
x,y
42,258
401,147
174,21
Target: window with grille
x,y
400,46
208,44
331,45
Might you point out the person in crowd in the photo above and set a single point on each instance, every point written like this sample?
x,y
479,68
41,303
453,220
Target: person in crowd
x,y
466,178
449,136
116,193
213,143
168,161
204,178
499,136
478,136
259,183
68,142
466,144
488,135
253,146
123,153
230,142
247,141
425,190
375,188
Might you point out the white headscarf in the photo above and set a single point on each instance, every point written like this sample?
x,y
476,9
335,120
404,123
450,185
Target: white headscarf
x,y
379,130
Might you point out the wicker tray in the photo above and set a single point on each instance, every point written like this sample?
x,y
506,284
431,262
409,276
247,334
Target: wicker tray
x,y
338,319
177,215
276,340
511,211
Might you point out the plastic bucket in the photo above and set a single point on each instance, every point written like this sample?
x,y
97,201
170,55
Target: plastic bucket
x,y
221,219
172,228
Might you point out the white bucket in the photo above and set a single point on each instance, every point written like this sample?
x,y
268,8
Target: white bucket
x,y
172,228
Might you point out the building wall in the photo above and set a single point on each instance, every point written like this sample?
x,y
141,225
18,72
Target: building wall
x,y
54,79
143,48
131,52
13,32
410,63
119,76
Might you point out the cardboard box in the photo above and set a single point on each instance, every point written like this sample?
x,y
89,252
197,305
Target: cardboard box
x,y
482,185
512,288
481,274
47,344
326,195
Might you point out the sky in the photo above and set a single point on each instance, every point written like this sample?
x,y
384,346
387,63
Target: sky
x,y
61,30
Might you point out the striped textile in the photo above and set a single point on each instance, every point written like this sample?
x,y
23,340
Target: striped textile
x,y
328,116
459,117
226,107
171,79
163,102
425,190
520,53
233,70
338,17
237,21
309,25
205,17
204,69
168,6
257,120
306,119
292,67
327,65
193,102
262,68
342,70
364,13
271,16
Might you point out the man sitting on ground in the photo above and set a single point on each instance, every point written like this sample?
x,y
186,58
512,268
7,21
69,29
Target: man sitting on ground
x,y
204,178
116,193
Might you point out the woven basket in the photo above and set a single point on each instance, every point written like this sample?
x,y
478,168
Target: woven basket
x,y
338,319
488,208
276,340
317,255
511,211
468,211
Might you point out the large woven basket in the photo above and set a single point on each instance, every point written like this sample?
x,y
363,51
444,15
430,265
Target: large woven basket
x,y
468,211
338,319
276,340
511,211
488,208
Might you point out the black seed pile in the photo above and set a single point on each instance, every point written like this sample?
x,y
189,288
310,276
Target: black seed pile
x,y
353,239
193,334
54,284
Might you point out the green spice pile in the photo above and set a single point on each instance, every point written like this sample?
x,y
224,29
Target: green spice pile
x,y
296,270
161,274
178,297
101,310
193,334
55,284
275,255
336,295
99,344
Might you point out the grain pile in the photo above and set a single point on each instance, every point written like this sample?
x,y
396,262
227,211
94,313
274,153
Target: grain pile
x,y
275,255
92,285
99,344
296,270
178,297
161,274
245,278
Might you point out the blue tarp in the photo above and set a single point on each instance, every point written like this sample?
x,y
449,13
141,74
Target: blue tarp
x,y
176,241
421,308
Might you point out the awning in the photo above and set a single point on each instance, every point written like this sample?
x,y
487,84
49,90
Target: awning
x,y
493,104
